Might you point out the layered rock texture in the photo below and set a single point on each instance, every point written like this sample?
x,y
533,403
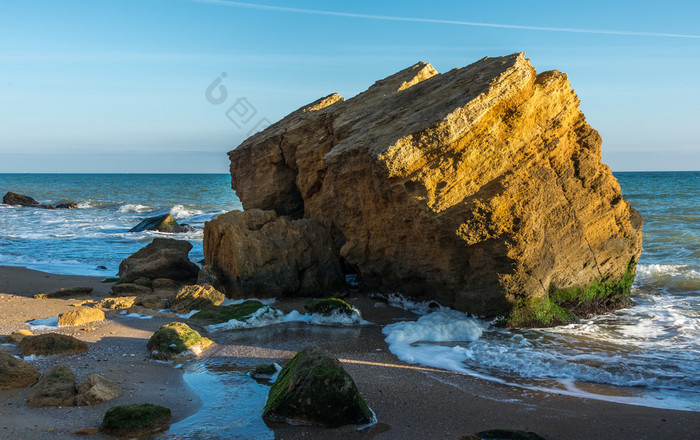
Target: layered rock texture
x,y
481,188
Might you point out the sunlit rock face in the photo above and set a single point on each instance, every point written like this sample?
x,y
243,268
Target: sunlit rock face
x,y
481,188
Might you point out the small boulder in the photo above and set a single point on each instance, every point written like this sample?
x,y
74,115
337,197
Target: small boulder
x,y
65,293
123,302
18,199
51,343
81,316
16,336
129,289
136,420
55,388
195,297
165,283
176,340
161,223
16,373
97,389
143,281
152,302
313,388
213,276
162,258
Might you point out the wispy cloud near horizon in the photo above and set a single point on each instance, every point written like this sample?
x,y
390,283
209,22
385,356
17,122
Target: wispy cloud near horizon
x,y
442,21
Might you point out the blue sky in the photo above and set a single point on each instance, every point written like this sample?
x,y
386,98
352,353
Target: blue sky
x,y
119,86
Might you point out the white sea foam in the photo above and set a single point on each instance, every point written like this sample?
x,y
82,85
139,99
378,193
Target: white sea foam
x,y
263,316
417,307
44,324
134,207
333,319
180,211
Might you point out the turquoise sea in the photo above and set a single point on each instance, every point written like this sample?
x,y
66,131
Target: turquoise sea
x,y
648,354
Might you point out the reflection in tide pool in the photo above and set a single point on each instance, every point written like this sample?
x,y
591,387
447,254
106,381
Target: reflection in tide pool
x,y
232,403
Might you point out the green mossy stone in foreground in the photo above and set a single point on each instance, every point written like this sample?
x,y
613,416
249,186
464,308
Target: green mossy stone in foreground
x,y
329,306
314,388
221,314
507,434
171,340
563,306
136,419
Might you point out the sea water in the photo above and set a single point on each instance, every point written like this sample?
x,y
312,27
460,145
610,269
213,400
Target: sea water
x,y
648,354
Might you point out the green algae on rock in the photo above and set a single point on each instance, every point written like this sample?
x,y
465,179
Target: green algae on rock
x,y
314,388
221,314
136,419
330,306
563,306
55,388
175,340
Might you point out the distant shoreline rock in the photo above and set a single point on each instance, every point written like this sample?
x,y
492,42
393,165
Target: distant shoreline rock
x,y
21,200
161,223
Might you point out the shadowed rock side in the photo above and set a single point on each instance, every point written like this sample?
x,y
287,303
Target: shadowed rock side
x,y
481,188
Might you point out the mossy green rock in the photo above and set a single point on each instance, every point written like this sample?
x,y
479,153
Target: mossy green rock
x,y
137,419
507,434
221,314
563,306
176,339
330,306
50,344
314,388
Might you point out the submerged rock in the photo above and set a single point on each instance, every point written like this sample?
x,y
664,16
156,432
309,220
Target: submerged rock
x,y
262,255
330,306
195,297
16,373
96,389
481,188
50,344
220,314
18,199
176,340
81,316
264,371
314,388
136,420
162,258
55,388
161,223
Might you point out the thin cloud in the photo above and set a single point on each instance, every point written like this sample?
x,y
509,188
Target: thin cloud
x,y
440,21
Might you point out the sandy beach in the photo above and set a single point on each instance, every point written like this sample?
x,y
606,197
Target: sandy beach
x,y
411,402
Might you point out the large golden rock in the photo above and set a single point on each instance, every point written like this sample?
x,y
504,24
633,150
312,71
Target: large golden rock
x,y
481,188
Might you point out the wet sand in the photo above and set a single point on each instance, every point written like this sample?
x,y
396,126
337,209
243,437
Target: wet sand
x,y
411,402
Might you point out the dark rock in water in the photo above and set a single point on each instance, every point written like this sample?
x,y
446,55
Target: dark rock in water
x,y
69,205
507,434
162,258
18,199
161,223
263,371
314,388
136,420
101,268
55,388
50,344
16,373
